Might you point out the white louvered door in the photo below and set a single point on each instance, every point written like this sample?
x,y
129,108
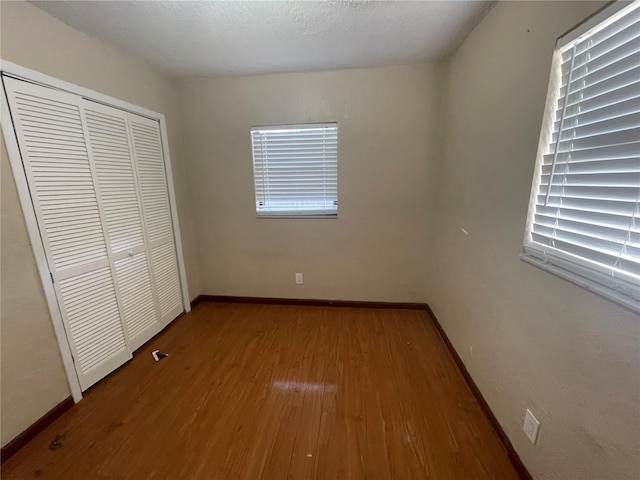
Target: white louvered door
x,y
149,161
50,132
109,142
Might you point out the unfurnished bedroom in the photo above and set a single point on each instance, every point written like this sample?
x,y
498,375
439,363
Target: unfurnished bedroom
x,y
299,239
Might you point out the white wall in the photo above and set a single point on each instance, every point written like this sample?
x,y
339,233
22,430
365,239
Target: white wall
x,y
377,248
33,381
539,342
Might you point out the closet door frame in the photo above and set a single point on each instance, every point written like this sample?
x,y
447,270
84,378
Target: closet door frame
x,y
19,175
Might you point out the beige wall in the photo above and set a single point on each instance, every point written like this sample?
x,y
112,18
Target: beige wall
x,y
388,121
32,377
539,342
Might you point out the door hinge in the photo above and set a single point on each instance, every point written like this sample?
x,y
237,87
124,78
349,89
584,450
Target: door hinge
x,y
52,280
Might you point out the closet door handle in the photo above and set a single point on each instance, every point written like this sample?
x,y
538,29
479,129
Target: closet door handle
x,y
130,253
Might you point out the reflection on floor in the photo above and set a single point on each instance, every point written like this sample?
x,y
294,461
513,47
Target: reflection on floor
x,y
276,392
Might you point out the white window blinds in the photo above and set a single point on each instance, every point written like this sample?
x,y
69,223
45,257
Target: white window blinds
x,y
584,215
296,169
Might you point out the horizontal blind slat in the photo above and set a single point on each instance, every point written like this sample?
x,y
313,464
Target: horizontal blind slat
x,y
622,165
295,169
585,211
604,139
607,99
616,124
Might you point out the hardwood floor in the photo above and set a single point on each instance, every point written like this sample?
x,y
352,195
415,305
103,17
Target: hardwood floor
x,y
277,392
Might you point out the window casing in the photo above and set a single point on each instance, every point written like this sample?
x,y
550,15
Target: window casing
x,y
296,170
584,211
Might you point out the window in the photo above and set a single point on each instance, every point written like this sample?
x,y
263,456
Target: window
x,y
584,213
295,169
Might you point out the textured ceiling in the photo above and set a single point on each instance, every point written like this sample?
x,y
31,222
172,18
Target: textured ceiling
x,y
189,38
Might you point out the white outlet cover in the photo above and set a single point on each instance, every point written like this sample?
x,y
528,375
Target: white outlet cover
x,y
531,426
298,279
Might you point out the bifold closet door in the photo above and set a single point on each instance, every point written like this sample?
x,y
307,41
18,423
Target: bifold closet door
x,y
149,162
51,134
111,151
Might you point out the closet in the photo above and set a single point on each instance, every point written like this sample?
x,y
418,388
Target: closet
x,y
98,186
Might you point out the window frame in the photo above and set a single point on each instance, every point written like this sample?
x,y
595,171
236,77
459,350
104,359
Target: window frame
x,y
625,293
310,213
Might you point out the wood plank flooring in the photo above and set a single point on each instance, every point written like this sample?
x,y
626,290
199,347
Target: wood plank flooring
x,y
277,392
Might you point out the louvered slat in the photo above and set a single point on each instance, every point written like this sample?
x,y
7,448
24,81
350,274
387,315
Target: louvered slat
x,y
65,168
91,311
166,274
153,184
114,169
149,161
137,298
109,139
51,136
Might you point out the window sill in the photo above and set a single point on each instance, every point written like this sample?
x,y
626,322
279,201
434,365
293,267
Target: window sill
x,y
298,216
588,284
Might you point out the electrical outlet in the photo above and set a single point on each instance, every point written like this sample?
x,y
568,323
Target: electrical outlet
x,y
298,279
531,426
471,349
